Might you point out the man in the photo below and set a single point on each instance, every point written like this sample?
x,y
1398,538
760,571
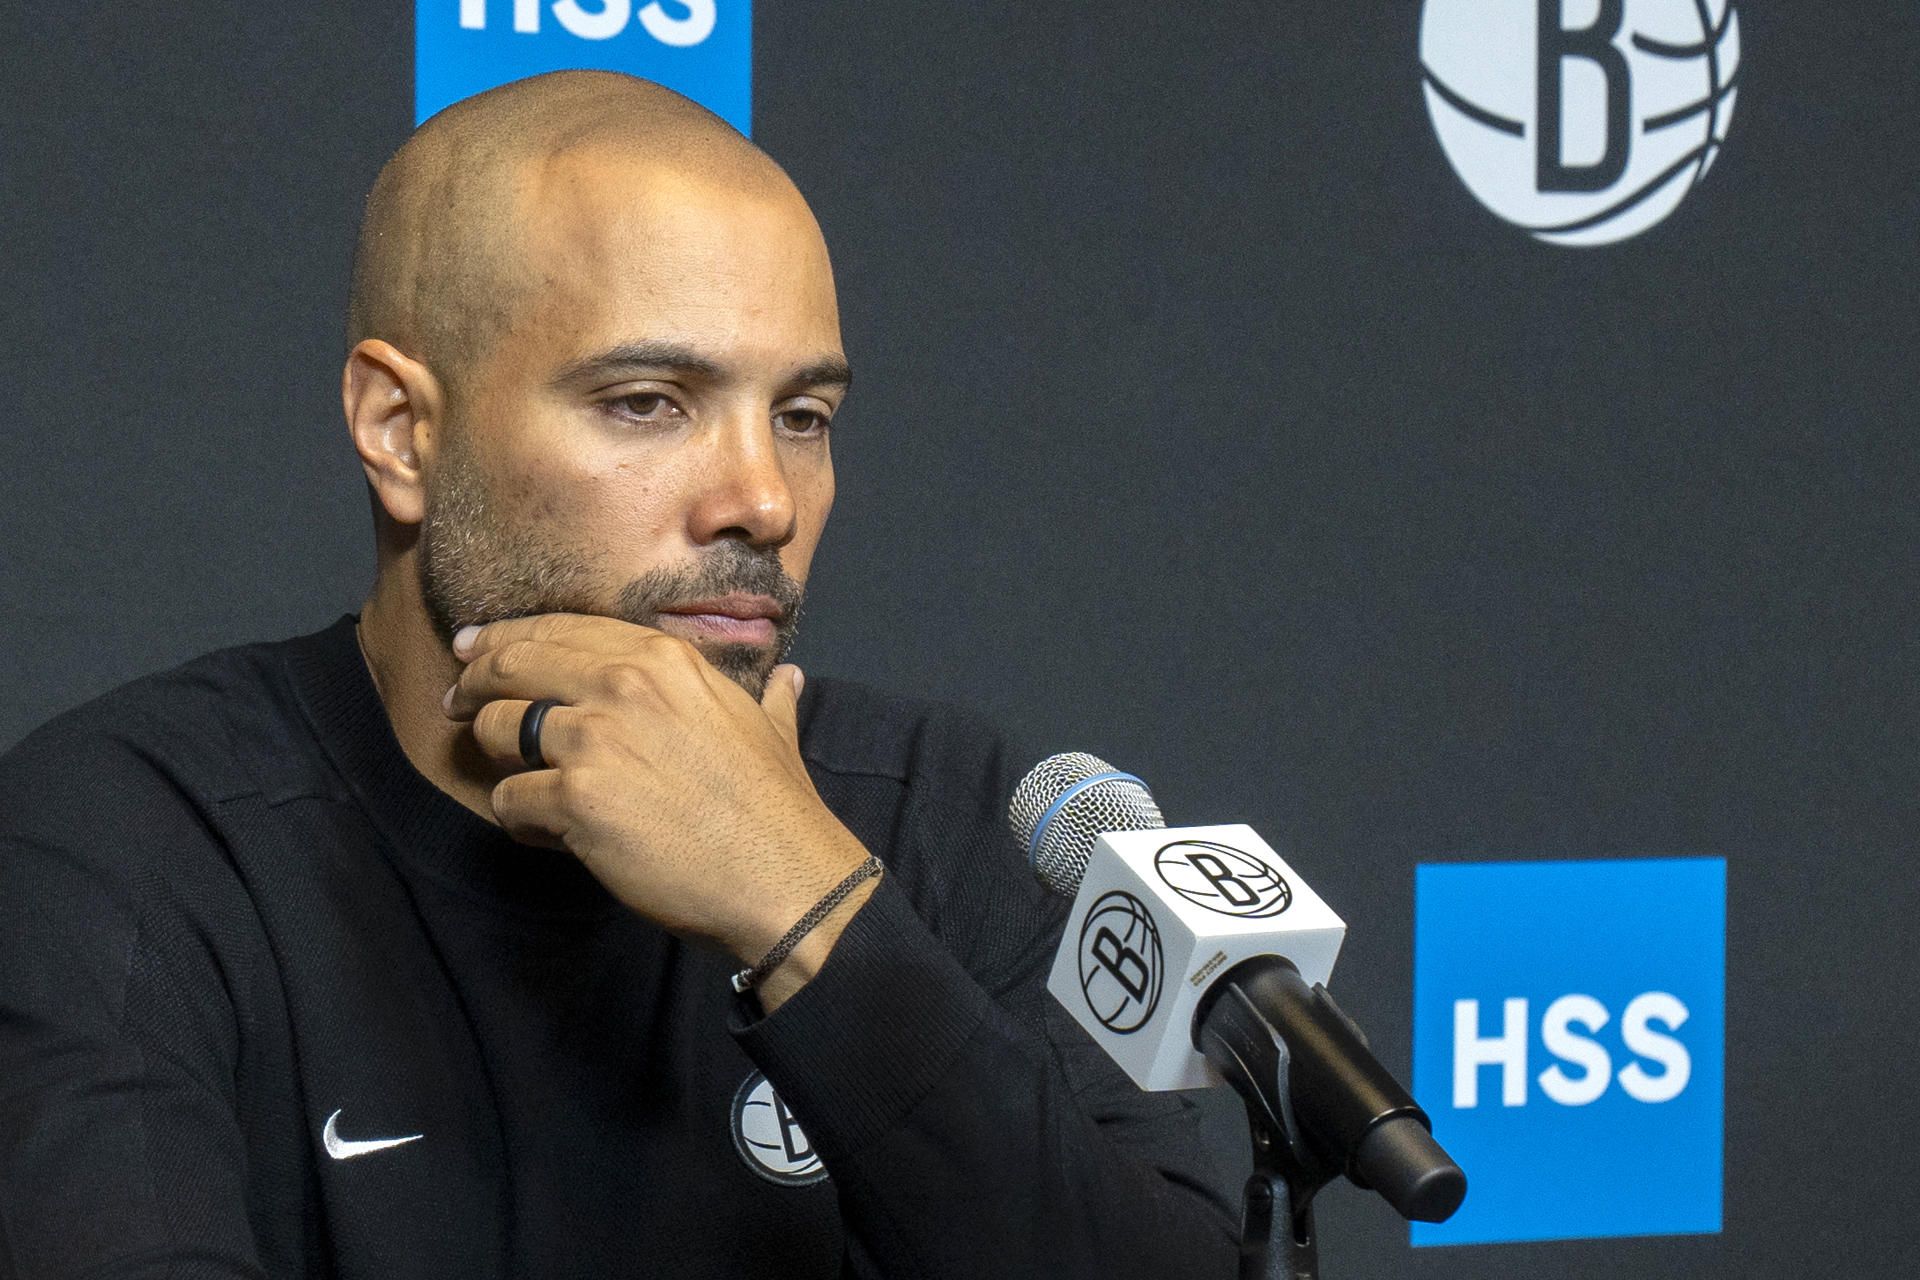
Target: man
x,y
412,948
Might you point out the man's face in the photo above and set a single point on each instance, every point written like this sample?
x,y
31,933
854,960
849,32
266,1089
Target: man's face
x,y
648,438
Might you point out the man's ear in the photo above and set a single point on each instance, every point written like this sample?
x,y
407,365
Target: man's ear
x,y
393,405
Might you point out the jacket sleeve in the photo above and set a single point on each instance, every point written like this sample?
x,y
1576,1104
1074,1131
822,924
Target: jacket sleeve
x,y
120,1144
974,1131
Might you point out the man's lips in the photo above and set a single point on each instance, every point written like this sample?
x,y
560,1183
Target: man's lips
x,y
739,618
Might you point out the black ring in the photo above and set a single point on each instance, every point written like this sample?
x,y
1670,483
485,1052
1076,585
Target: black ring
x,y
530,722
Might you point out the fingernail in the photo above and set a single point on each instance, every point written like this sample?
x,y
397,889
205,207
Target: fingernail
x,y
446,703
463,639
799,681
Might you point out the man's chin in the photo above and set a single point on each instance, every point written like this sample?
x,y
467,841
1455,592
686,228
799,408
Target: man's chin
x,y
747,665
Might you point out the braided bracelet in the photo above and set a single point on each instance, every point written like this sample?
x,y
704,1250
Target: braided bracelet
x,y
745,980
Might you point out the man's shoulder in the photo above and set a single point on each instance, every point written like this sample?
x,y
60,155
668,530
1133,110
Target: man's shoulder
x,y
853,729
219,726
925,785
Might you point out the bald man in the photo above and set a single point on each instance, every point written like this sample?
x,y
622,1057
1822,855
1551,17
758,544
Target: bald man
x,y
541,921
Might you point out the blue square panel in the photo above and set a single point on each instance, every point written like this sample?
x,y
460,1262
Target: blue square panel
x,y
701,48
1568,1041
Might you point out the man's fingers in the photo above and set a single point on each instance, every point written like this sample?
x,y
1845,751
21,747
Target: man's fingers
x,y
543,669
573,630
781,701
497,729
528,807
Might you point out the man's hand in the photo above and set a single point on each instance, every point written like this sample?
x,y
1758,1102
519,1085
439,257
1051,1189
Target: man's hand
x,y
683,796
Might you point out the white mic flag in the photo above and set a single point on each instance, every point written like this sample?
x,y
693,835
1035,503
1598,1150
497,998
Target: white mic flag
x,y
1158,912
1189,936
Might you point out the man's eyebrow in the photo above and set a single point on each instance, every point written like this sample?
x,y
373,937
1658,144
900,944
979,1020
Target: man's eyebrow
x,y
829,372
673,357
667,356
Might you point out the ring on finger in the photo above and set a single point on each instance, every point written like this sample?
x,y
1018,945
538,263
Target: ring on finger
x,y
531,722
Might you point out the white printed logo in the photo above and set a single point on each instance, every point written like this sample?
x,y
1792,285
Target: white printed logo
x,y
606,20
769,1139
1583,121
346,1148
1571,1048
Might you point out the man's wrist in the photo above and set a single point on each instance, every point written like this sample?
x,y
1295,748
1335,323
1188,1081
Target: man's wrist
x,y
810,955
811,919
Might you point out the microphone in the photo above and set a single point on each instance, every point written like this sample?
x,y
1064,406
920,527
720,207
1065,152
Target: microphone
x,y
1196,954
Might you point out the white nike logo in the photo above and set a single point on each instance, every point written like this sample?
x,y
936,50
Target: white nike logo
x,y
346,1149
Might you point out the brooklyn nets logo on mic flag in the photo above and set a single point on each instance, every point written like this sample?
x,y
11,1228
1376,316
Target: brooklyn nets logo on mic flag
x,y
1222,878
1583,121
1121,962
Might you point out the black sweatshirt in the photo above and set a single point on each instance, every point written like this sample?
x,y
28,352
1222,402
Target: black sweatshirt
x,y
273,1004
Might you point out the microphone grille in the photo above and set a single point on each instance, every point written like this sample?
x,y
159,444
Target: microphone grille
x,y
1068,801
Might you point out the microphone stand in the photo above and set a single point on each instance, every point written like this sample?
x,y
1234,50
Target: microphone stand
x,y
1277,1240
1358,1121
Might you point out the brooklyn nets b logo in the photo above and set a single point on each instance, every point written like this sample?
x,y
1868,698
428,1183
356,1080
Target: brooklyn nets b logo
x,y
1121,964
1584,121
1222,878
769,1139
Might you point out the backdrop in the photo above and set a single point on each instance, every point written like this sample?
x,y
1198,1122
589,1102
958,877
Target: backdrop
x,y
1206,420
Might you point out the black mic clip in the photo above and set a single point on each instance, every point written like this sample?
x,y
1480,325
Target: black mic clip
x,y
1318,1106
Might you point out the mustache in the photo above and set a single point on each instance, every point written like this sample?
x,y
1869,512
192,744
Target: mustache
x,y
729,568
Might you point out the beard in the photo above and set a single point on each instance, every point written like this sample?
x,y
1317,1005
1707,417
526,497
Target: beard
x,y
477,568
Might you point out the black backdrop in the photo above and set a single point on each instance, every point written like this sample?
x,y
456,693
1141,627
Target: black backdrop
x,y
1205,421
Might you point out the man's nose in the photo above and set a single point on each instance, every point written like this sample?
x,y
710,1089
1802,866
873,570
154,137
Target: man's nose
x,y
743,492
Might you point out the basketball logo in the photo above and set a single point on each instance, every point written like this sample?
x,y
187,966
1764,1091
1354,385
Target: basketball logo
x,y
1222,878
769,1139
1120,962
1583,121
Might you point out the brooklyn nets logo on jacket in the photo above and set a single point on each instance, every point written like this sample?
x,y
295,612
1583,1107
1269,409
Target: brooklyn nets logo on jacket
x,y
1583,121
769,1139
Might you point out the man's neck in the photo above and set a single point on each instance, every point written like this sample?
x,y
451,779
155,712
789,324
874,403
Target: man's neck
x,y
412,669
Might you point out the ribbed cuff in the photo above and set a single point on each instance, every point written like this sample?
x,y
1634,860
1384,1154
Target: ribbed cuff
x,y
857,1047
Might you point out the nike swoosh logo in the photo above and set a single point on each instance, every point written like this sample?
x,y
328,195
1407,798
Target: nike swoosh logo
x,y
346,1148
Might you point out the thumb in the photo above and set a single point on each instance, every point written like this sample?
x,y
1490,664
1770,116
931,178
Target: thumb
x,y
781,701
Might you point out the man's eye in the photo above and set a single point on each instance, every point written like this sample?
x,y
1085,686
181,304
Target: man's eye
x,y
644,404
805,422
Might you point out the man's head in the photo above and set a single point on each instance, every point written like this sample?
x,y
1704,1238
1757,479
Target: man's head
x,y
595,347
